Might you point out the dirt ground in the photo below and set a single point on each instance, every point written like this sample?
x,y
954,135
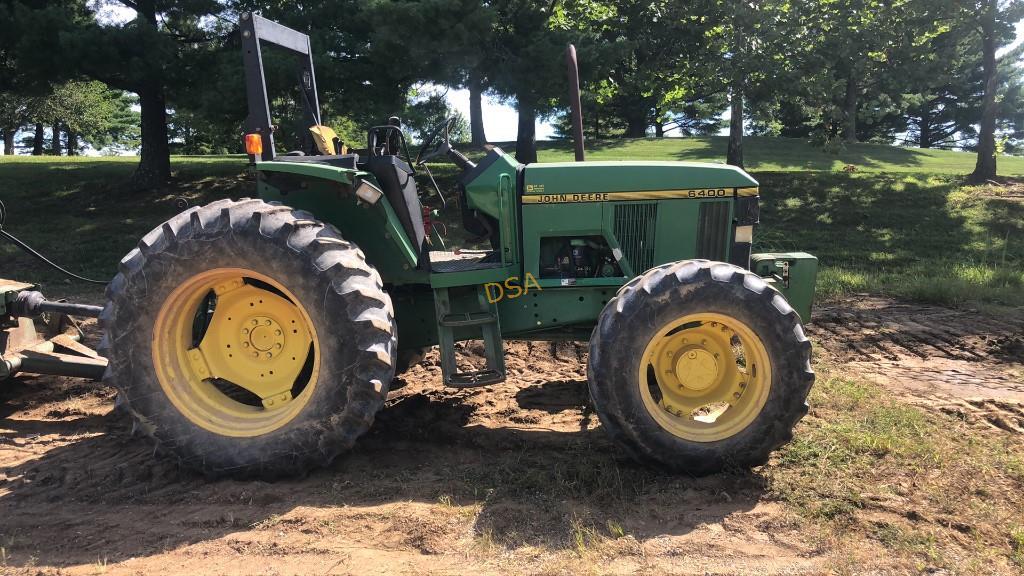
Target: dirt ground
x,y
513,478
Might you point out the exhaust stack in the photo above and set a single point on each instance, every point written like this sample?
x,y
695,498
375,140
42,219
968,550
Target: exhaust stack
x,y
574,100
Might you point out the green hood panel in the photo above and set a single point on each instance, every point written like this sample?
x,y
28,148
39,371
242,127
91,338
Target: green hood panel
x,y
599,177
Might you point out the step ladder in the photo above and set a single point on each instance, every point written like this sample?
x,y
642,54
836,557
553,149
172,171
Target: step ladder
x,y
486,318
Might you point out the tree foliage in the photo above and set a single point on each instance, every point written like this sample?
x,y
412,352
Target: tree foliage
x,y
915,72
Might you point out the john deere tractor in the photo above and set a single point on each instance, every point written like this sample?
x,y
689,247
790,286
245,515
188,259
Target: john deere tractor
x,y
259,337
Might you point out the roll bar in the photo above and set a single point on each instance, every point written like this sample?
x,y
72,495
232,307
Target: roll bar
x,y
255,28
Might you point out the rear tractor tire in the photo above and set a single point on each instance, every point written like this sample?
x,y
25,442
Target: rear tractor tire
x,y
249,340
699,366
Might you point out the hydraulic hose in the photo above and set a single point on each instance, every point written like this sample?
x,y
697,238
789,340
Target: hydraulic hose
x,y
32,252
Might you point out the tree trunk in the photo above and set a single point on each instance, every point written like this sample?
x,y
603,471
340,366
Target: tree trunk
x,y
850,109
985,169
636,123
476,113
924,131
155,156
734,153
72,142
597,124
37,140
659,129
9,142
526,136
55,147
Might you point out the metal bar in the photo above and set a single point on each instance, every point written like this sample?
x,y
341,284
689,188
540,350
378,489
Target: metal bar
x,y
259,120
30,303
574,100
70,309
279,34
63,365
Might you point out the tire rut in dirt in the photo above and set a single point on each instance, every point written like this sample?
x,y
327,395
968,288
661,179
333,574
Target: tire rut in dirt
x,y
961,362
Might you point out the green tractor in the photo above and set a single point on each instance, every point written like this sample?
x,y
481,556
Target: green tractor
x,y
259,337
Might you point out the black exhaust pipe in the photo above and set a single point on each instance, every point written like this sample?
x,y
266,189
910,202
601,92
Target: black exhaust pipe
x,y
574,100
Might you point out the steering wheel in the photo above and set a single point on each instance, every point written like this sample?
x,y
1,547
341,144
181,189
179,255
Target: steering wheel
x,y
429,150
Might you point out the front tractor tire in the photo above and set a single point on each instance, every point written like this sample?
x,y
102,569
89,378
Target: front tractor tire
x,y
249,340
699,366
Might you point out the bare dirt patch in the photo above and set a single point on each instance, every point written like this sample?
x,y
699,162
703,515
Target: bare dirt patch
x,y
959,361
514,478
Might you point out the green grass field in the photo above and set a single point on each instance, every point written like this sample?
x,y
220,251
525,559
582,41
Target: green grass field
x,y
782,155
902,224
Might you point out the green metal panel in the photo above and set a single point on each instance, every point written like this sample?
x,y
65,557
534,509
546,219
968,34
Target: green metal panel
x,y
677,231
313,170
482,192
553,308
793,274
597,177
327,192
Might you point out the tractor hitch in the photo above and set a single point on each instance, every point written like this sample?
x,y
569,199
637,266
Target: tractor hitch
x,y
39,336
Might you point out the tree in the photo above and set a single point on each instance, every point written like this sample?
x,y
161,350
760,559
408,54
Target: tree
x,y
994,19
63,40
526,65
426,110
14,113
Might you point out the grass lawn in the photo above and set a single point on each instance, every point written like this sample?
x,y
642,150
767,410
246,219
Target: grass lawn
x,y
780,154
902,224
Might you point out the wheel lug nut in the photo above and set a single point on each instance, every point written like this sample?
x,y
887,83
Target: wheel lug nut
x,y
277,332
278,346
245,344
268,322
255,322
255,354
269,355
245,331
736,395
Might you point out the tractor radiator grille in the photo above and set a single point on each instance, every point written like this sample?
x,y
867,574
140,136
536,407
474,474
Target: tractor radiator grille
x,y
714,231
634,229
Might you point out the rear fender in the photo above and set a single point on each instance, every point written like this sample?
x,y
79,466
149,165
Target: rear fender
x,y
328,192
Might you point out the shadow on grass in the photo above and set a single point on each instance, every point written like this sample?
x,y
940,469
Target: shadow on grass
x,y
898,233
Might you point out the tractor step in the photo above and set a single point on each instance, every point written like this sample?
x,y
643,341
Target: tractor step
x,y
485,318
467,319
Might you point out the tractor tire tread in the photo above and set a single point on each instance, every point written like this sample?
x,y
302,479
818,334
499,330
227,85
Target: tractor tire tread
x,y
317,434
685,286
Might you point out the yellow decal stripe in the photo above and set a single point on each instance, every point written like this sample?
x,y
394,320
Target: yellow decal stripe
x,y
694,193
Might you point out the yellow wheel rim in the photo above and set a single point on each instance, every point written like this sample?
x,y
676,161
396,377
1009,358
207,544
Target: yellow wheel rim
x,y
235,352
705,377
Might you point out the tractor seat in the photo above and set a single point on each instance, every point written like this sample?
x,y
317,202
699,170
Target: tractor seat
x,y
396,181
464,260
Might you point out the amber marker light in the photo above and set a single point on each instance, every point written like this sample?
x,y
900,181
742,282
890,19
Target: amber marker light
x,y
253,144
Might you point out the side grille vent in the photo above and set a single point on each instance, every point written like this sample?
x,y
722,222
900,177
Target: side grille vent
x,y
634,229
713,233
